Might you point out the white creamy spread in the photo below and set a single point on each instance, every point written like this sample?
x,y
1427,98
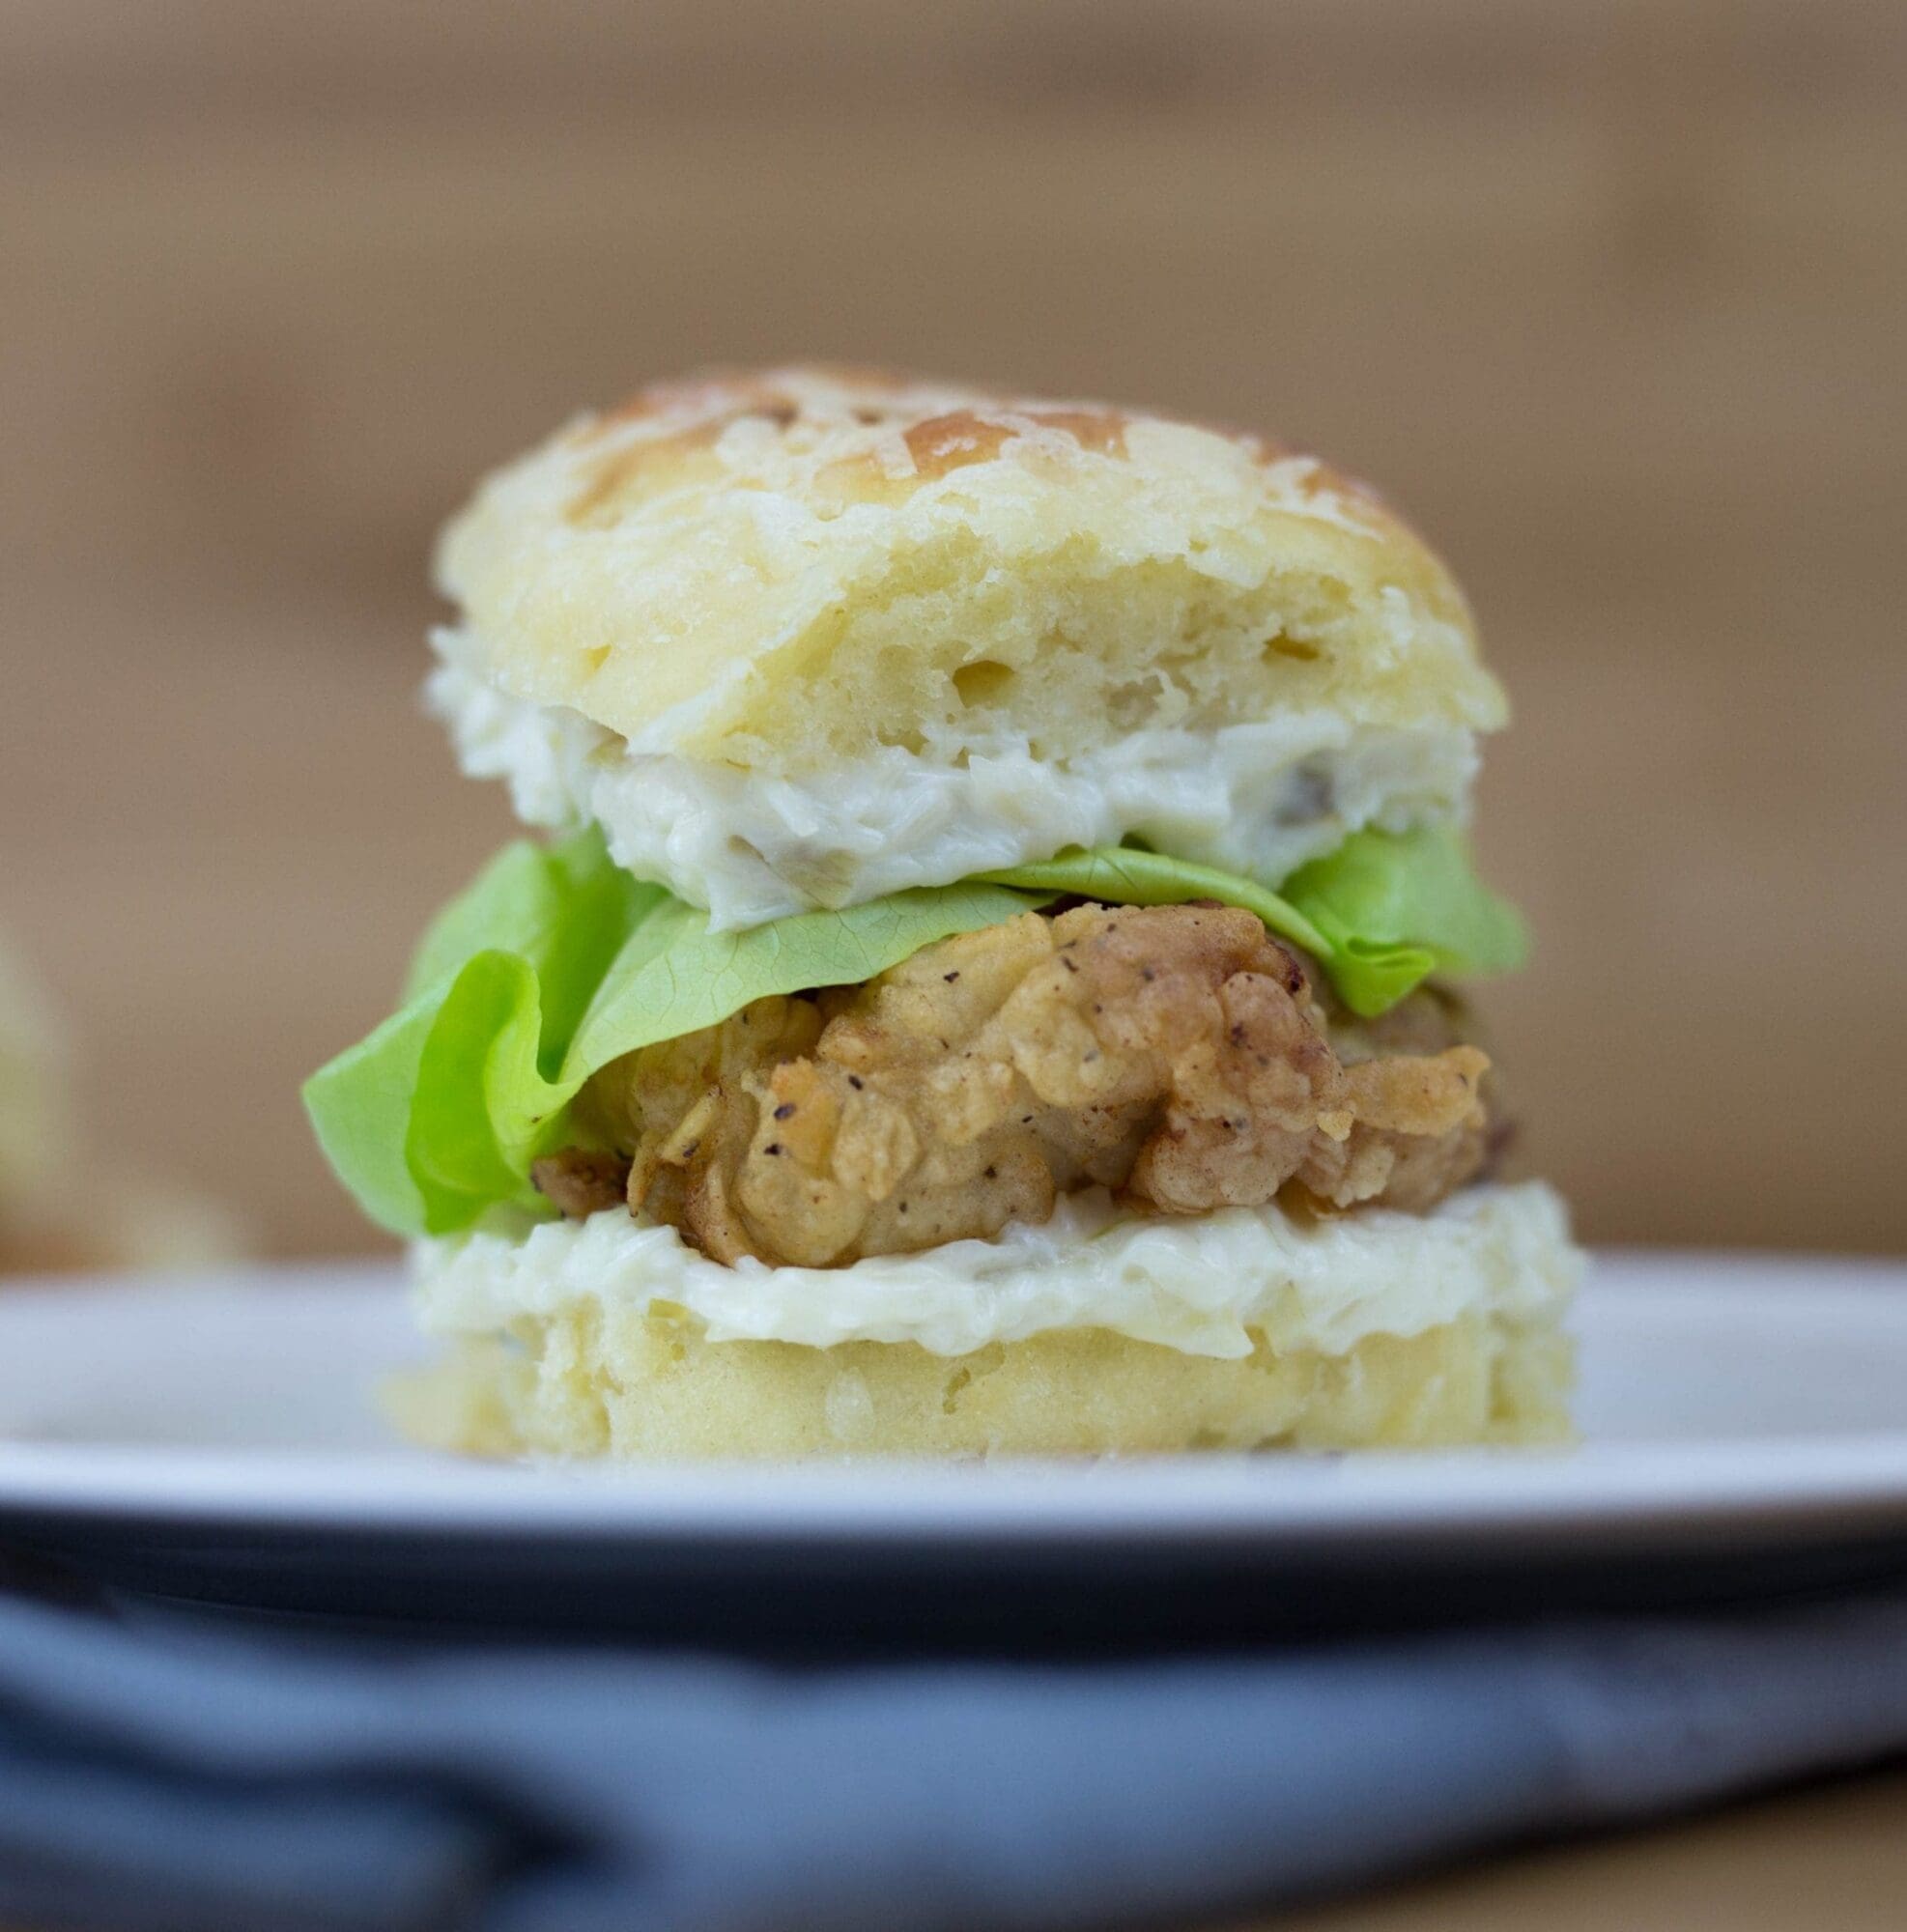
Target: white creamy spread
x,y
1206,1284
1257,799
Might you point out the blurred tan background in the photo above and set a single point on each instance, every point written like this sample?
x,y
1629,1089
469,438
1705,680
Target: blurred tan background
x,y
1611,298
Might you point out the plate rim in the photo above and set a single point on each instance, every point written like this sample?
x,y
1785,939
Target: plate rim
x,y
1680,1493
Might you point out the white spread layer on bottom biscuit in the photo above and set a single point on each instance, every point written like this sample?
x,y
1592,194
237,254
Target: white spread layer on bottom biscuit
x,y
1206,1284
1257,799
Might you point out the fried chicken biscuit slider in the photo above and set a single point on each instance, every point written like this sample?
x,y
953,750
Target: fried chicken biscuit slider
x,y
990,985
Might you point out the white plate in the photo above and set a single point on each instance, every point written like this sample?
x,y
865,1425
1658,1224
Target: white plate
x,y
1745,1426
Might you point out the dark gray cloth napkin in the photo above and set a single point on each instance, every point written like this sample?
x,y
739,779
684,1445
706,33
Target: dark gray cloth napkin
x,y
153,1777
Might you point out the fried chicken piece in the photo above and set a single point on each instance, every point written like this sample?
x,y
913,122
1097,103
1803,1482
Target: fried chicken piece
x,y
686,1110
1176,1053
1402,1152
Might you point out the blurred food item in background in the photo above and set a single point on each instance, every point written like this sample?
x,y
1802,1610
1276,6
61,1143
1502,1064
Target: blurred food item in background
x,y
55,1215
36,1127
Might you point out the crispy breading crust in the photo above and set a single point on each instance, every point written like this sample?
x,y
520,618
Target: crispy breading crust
x,y
1175,1053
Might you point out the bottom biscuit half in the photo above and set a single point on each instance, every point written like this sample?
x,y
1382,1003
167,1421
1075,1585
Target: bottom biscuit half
x,y
649,1386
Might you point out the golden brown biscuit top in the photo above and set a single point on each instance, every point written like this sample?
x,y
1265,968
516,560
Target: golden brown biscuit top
x,y
676,569
871,434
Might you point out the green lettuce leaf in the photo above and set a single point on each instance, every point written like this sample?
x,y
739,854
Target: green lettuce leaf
x,y
554,963
1396,908
1132,875
1379,914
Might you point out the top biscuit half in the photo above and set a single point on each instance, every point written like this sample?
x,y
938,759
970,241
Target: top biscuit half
x,y
894,598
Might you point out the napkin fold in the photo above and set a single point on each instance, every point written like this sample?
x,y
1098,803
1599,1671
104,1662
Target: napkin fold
x,y
157,1777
